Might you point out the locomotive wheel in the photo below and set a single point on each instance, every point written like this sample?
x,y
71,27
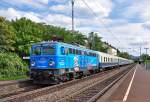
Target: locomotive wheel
x,y
79,75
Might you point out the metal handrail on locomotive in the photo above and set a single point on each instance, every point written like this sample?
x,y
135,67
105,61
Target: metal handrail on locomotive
x,y
54,62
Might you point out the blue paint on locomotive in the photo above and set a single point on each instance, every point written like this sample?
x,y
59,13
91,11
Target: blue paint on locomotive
x,y
57,55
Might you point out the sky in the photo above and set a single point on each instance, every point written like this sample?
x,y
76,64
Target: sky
x,y
125,24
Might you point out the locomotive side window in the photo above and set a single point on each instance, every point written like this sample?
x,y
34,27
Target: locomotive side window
x,y
74,51
82,53
62,50
66,51
70,51
85,53
79,52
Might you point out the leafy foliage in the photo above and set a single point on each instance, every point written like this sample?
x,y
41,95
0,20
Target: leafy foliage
x,y
124,55
26,32
95,43
145,57
17,36
11,65
6,35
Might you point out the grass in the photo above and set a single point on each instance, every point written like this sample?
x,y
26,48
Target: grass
x,y
13,78
147,62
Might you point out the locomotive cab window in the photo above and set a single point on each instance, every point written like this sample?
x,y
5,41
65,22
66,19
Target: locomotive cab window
x,y
43,49
48,49
36,50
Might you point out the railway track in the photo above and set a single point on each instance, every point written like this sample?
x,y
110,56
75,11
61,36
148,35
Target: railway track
x,y
93,92
54,93
8,89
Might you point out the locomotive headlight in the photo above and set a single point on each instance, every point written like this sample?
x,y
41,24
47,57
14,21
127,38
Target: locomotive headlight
x,y
51,63
32,63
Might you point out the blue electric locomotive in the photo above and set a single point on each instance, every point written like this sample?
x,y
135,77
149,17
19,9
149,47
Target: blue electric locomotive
x,y
52,62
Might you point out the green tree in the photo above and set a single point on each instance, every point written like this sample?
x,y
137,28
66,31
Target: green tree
x,y
7,35
79,38
145,57
95,43
124,55
11,65
67,35
26,33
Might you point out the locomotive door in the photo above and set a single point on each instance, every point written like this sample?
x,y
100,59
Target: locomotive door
x,y
82,60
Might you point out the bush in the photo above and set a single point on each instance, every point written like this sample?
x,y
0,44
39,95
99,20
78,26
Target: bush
x,y
11,65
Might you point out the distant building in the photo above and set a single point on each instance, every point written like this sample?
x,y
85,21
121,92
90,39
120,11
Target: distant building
x,y
111,49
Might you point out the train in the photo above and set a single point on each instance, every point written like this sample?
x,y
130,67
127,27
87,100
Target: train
x,y
52,62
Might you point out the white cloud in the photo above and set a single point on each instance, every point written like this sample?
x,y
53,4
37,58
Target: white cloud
x,y
54,19
147,25
129,34
38,4
58,20
138,9
32,16
12,13
59,8
58,1
102,8
43,1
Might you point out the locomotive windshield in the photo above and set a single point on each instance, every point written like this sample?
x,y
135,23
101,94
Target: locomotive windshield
x,y
36,50
43,50
50,50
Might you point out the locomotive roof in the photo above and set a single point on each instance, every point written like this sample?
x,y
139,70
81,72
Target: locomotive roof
x,y
71,45
65,44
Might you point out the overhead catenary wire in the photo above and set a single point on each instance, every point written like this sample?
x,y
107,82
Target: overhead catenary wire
x,y
118,41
